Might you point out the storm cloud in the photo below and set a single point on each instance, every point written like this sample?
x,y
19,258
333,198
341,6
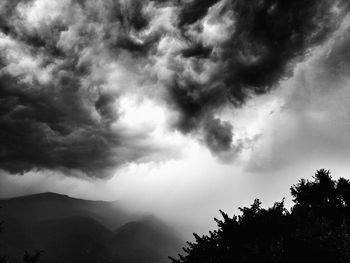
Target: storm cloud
x,y
261,44
66,67
57,112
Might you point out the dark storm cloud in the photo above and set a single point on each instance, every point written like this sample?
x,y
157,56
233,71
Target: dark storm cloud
x,y
218,135
194,102
266,41
67,120
269,35
64,124
130,19
197,50
51,127
119,21
194,10
315,112
6,11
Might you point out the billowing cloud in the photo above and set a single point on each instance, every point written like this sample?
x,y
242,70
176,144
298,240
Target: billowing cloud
x,y
65,66
312,122
264,41
68,68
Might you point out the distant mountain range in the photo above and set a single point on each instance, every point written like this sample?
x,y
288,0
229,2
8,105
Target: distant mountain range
x,y
71,230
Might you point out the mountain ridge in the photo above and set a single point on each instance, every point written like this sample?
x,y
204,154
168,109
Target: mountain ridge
x,y
52,195
76,230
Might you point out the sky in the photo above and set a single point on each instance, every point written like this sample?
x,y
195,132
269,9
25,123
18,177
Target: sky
x,y
175,108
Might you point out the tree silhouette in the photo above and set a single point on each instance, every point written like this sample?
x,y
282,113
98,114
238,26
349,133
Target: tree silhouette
x,y
316,229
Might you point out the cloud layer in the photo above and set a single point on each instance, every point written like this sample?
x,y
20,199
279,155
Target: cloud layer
x,y
68,68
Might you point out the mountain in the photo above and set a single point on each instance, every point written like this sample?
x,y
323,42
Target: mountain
x,y
75,230
145,241
72,239
39,207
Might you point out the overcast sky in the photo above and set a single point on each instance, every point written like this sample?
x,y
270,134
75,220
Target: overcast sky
x,y
177,108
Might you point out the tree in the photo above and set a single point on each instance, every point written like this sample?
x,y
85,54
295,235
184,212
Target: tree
x,y
316,229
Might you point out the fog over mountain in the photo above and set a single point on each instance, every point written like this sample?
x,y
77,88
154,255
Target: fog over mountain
x,y
175,109
75,230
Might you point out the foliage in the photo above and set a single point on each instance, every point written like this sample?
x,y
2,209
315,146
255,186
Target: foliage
x,y
316,229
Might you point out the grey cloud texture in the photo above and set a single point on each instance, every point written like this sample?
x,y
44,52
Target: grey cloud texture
x,y
264,43
64,119
65,65
313,125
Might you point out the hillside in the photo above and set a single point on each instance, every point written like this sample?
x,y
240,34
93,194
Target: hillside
x,y
74,230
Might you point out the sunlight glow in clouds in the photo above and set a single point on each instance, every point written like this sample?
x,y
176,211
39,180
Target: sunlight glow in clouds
x,y
142,113
42,12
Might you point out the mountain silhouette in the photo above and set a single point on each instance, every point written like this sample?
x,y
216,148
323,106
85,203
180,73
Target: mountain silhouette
x,y
139,242
75,230
44,206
